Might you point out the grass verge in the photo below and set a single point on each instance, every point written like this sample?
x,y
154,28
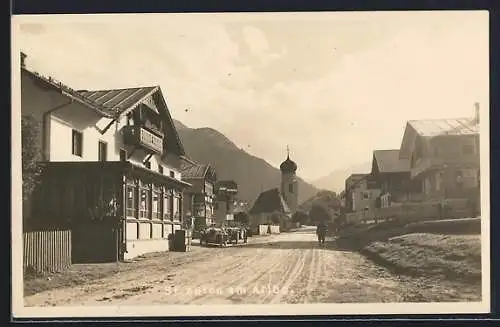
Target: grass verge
x,y
418,254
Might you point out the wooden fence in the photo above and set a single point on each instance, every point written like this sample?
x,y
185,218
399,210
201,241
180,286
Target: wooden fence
x,y
454,208
47,250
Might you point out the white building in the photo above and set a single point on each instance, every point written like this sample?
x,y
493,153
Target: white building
x,y
112,167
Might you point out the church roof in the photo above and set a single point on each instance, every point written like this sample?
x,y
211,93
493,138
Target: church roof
x,y
288,165
269,201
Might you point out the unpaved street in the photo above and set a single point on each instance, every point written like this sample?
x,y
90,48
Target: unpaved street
x,y
285,268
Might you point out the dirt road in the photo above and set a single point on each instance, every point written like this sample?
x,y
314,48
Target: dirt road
x,y
285,268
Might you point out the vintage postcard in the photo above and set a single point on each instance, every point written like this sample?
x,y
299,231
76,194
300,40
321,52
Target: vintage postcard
x,y
250,164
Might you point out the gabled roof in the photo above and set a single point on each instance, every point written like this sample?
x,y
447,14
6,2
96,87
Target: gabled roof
x,y
452,126
67,91
195,170
388,161
269,201
117,101
113,103
436,127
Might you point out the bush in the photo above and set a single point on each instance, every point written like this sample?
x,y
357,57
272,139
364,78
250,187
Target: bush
x,y
31,155
275,218
242,217
319,213
300,217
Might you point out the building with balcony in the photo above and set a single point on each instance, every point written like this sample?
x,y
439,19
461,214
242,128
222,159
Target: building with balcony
x,y
392,176
225,195
201,194
443,156
361,193
111,167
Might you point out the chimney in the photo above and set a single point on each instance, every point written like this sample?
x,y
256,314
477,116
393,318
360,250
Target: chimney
x,y
476,108
23,59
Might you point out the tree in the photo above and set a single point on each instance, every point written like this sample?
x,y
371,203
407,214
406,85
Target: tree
x,y
300,217
242,217
31,170
275,218
319,213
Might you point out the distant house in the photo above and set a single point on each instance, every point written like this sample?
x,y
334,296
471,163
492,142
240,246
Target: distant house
x,y
342,199
361,193
269,208
443,156
201,194
392,175
111,167
225,193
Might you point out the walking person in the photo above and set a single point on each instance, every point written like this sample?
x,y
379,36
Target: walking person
x,y
321,232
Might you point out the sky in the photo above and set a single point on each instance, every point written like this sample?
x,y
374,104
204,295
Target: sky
x,y
332,86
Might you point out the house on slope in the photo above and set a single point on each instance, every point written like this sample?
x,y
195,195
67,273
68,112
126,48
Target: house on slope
x,y
361,193
111,167
443,156
392,175
201,194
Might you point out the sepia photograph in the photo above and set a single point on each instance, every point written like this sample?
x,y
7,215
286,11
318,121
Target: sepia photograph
x,y
250,164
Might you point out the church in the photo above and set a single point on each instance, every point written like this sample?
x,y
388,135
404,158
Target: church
x,y
277,205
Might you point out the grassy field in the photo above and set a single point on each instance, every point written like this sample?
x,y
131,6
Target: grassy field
x,y
449,256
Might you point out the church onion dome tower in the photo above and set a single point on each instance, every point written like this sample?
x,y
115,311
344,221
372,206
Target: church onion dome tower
x,y
288,166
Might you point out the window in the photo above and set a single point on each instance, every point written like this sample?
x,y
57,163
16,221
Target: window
x,y
147,164
131,201
459,179
172,174
123,155
366,195
468,149
179,207
144,204
160,169
290,188
77,143
166,205
155,207
439,180
103,151
171,206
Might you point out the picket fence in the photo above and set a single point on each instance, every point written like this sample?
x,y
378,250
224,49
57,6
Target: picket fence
x,y
47,250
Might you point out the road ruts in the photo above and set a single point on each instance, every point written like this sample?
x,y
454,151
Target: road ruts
x,y
285,268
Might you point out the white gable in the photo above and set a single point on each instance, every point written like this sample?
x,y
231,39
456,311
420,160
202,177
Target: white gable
x,y
151,103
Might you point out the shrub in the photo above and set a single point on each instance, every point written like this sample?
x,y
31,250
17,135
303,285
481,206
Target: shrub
x,y
242,217
31,155
319,213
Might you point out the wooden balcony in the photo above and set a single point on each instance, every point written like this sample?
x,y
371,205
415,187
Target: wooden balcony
x,y
425,164
139,136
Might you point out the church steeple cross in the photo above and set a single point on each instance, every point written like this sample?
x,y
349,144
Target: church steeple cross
x,y
287,151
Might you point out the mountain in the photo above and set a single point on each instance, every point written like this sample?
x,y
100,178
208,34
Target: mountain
x,y
253,174
335,181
